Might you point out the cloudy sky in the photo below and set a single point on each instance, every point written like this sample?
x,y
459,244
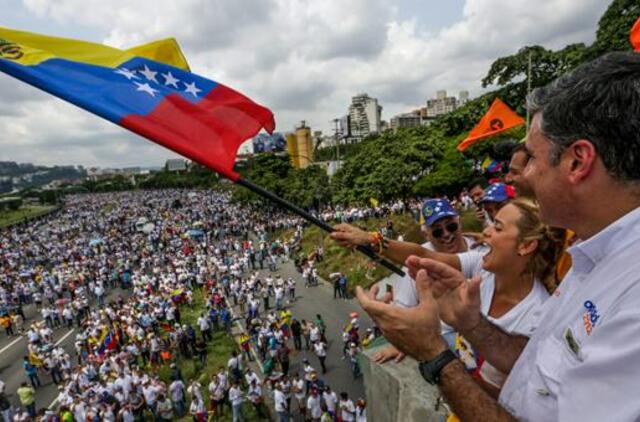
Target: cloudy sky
x,y
303,59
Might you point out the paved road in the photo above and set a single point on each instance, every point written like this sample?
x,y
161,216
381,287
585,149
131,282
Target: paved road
x,y
310,301
335,312
13,349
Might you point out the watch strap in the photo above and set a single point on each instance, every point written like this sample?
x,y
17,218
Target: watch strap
x,y
431,370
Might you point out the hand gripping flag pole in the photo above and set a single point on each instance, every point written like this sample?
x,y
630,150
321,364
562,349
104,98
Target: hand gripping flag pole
x,y
149,91
310,218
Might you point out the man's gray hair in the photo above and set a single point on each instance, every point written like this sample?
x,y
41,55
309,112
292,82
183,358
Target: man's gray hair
x,y
599,101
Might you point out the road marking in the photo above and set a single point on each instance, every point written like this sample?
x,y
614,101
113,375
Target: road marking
x,y
65,336
11,344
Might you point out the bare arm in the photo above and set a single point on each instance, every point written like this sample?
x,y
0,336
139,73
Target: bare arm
x,y
467,399
416,331
349,236
459,306
497,347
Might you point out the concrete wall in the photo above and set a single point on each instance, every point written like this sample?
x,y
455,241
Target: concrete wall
x,y
397,391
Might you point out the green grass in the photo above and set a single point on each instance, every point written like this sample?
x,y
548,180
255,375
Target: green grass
x,y
8,218
470,222
359,269
218,353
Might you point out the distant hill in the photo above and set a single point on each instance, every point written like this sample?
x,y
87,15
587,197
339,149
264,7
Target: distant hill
x,y
26,175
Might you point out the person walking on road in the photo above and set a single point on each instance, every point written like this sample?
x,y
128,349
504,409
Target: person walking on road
x,y
27,398
32,372
320,348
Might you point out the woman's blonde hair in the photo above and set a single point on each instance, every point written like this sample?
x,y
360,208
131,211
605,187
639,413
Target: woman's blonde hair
x,y
542,264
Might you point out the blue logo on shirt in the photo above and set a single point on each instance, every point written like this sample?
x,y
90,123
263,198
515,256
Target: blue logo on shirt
x,y
590,317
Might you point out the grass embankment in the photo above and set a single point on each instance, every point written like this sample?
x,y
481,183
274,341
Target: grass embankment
x,y
359,269
218,353
8,218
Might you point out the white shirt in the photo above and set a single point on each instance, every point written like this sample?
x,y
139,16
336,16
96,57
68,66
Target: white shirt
x,y
280,400
235,396
320,349
581,362
313,404
405,293
518,320
347,410
330,399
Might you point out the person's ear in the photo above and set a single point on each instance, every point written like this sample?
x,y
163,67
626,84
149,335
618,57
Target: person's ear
x,y
527,247
580,157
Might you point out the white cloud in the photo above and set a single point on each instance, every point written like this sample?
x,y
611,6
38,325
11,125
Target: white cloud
x,y
302,58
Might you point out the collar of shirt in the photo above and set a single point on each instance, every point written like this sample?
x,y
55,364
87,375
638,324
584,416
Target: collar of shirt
x,y
616,235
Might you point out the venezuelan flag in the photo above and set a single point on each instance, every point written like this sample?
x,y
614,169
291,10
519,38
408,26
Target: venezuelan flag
x,y
191,115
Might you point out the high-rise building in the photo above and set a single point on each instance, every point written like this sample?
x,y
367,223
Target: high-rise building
x,y
300,146
443,104
405,120
364,116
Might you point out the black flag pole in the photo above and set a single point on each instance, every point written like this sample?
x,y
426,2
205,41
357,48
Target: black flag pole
x,y
324,226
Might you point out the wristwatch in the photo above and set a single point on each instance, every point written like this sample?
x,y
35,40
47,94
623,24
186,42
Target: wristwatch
x,y
430,370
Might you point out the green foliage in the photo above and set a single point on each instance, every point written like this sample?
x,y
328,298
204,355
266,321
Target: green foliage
x,y
386,167
333,152
25,213
198,177
49,197
614,27
451,174
359,270
14,204
307,187
268,171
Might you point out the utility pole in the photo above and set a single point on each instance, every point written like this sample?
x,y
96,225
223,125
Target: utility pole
x,y
336,133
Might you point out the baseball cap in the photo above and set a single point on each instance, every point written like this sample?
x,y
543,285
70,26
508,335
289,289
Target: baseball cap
x,y
498,192
435,209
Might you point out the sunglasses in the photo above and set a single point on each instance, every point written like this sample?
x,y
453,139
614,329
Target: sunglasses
x,y
439,232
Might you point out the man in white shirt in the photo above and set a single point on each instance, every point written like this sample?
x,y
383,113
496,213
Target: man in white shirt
x,y
584,146
314,409
236,397
330,400
281,406
347,408
205,327
321,351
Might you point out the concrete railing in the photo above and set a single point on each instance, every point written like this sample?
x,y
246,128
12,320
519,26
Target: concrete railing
x,y
397,391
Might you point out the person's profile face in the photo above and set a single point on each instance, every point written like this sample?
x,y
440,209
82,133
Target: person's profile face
x,y
515,175
476,192
548,183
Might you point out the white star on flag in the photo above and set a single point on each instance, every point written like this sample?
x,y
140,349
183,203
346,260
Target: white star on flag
x,y
146,88
191,88
149,74
129,74
170,80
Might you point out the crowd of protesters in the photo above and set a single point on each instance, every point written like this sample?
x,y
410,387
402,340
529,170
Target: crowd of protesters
x,y
119,269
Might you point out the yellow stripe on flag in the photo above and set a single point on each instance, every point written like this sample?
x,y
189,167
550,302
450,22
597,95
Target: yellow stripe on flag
x,y
165,51
37,48
28,48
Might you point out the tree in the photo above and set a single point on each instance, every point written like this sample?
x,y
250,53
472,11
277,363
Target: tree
x,y
614,27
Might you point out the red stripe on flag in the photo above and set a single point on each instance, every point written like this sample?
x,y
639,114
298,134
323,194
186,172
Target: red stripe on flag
x,y
209,132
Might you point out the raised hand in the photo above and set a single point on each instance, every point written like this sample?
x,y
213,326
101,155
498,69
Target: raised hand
x,y
414,331
350,236
458,298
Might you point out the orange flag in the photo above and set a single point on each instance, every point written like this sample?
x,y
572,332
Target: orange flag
x,y
498,119
634,36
